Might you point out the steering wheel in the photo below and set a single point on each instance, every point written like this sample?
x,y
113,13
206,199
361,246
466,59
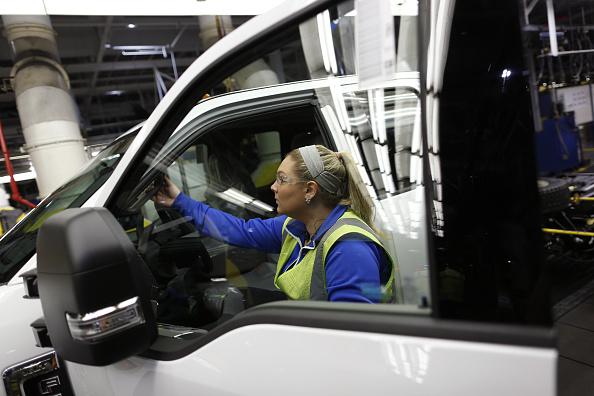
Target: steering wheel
x,y
172,238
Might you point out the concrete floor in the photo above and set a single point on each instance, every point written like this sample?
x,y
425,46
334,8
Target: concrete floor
x,y
576,346
574,321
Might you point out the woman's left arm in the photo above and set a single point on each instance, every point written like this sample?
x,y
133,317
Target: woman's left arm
x,y
261,234
353,271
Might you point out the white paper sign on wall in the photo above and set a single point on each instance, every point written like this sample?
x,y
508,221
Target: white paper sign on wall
x,y
578,100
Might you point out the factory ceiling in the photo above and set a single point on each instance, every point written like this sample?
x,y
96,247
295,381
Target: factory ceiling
x,y
117,66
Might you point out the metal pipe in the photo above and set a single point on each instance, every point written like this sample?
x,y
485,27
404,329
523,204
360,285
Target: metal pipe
x,y
174,65
14,188
47,111
562,53
544,28
533,89
529,8
591,95
577,199
565,232
552,28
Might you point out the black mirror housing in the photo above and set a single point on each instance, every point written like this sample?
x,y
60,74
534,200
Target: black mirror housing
x,y
95,289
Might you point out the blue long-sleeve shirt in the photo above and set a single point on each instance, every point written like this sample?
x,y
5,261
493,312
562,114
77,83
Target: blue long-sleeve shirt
x,y
355,269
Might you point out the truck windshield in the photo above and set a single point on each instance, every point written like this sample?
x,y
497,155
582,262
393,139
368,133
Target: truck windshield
x,y
18,246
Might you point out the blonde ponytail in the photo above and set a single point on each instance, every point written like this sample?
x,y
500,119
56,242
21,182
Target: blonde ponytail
x,y
358,197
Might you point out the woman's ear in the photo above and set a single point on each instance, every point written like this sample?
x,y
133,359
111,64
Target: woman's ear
x,y
311,189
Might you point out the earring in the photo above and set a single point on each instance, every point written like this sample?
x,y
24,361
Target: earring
x,y
307,200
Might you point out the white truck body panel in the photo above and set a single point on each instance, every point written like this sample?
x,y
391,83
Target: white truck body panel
x,y
242,362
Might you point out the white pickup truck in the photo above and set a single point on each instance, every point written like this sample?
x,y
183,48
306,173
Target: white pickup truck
x,y
212,321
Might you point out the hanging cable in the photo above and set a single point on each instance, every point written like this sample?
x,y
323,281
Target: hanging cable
x,y
15,194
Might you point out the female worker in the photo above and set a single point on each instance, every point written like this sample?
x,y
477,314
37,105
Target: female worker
x,y
328,250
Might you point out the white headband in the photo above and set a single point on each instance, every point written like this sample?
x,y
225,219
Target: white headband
x,y
315,166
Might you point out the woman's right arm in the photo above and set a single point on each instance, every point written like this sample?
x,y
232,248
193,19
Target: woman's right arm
x,y
255,233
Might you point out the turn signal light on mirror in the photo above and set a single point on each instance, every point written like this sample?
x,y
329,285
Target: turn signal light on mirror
x,y
93,326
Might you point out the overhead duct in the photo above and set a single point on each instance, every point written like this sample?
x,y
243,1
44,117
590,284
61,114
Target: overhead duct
x,y
47,112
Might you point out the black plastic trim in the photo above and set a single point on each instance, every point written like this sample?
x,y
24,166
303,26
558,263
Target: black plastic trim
x,y
424,31
382,319
30,284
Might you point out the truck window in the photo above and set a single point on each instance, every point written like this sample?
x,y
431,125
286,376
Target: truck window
x,y
231,167
380,126
18,246
201,280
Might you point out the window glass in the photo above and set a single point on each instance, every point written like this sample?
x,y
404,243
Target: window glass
x,y
320,47
19,244
379,127
201,280
489,258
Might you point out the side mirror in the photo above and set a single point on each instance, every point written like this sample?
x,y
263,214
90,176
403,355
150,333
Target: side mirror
x,y
95,289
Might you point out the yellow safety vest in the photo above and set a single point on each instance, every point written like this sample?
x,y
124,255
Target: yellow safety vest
x,y
307,279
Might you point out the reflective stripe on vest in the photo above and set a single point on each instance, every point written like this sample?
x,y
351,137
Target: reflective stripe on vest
x,y
303,282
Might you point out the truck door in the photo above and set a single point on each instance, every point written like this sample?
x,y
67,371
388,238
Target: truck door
x,y
216,335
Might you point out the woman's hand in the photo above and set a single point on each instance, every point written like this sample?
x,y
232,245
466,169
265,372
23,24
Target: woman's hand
x,y
167,193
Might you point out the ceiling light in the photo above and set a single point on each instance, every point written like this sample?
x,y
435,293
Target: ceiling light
x,y
135,50
131,26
